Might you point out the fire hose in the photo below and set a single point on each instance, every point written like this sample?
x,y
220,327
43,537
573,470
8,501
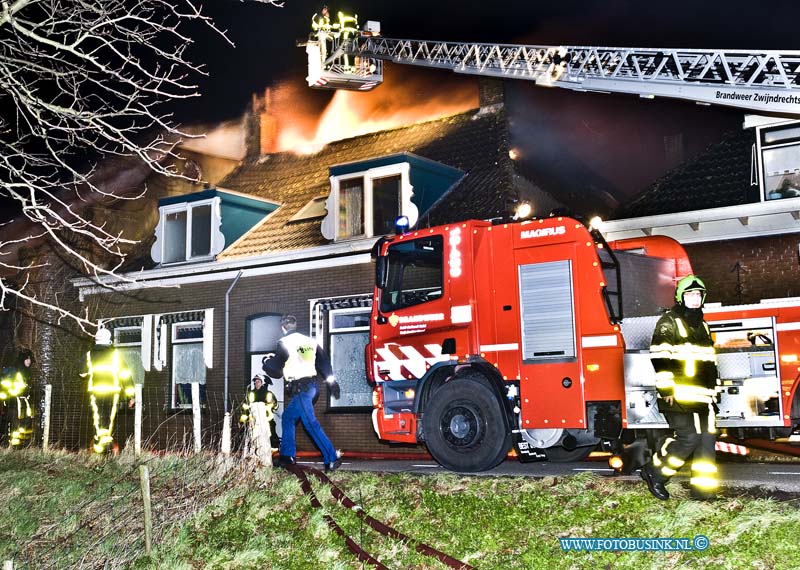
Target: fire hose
x,y
384,529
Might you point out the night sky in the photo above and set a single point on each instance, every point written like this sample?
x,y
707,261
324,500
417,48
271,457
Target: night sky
x,y
265,36
611,143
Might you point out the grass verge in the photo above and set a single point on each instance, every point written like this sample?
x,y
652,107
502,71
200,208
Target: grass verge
x,y
77,511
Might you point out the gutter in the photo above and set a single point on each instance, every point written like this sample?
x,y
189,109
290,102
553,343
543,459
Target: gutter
x,y
227,332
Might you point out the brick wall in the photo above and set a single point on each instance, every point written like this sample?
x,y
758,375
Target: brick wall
x,y
770,268
281,293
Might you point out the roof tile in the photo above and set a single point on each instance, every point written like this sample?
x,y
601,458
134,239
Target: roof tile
x,y
474,142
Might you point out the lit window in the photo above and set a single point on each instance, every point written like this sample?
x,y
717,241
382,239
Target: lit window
x,y
780,161
351,208
382,206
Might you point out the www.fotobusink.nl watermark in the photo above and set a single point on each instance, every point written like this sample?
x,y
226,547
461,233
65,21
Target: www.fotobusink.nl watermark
x,y
699,542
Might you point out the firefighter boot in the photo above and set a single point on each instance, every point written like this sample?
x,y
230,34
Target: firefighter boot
x,y
654,483
699,495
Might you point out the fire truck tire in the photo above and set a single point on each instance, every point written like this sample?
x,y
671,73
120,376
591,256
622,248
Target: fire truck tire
x,y
559,454
464,425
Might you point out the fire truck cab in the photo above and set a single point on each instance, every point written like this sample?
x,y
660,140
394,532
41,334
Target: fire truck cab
x,y
536,334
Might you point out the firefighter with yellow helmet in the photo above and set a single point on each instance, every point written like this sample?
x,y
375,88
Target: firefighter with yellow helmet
x,y
15,386
108,379
682,352
258,391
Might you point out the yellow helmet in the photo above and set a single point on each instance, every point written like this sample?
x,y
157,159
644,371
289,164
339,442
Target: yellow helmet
x,y
690,283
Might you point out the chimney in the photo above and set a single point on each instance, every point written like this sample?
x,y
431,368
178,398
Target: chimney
x,y
261,127
491,94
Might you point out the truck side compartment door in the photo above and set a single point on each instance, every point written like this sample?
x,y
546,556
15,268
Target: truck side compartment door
x,y
551,386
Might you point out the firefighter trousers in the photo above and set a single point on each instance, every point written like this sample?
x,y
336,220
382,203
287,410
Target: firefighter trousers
x,y
695,436
20,425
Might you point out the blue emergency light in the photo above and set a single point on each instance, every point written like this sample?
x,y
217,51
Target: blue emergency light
x,y
401,225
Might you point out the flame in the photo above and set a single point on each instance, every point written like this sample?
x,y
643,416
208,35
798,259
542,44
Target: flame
x,y
394,104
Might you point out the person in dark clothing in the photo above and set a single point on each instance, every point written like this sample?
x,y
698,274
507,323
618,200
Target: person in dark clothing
x,y
302,363
15,391
682,352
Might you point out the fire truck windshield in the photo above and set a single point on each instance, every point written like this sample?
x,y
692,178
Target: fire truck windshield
x,y
415,273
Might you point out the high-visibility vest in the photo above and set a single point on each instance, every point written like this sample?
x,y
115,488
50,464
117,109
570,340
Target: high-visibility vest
x,y
12,385
107,376
301,362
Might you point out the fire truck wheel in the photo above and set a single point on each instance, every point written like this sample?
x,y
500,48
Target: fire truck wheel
x,y
464,426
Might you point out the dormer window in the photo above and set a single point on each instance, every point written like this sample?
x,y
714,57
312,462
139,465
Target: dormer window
x,y
366,204
196,227
187,231
367,196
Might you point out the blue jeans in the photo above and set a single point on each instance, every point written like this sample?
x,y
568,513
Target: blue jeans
x,y
301,407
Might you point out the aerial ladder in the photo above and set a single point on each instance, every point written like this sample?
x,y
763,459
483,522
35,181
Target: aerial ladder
x,y
341,56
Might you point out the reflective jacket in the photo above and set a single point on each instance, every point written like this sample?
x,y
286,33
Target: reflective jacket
x,y
107,373
684,360
12,384
298,357
262,394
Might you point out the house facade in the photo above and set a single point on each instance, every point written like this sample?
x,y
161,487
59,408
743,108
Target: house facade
x,y
736,210
228,250
282,233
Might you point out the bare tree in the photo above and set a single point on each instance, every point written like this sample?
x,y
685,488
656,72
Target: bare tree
x,y
81,80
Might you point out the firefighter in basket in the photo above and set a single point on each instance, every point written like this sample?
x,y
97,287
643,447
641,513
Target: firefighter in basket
x,y
683,356
108,379
15,386
258,391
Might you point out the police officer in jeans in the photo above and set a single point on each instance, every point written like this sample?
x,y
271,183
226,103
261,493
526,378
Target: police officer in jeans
x,y
302,363
683,356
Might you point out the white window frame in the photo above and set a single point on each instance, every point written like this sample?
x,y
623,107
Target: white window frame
x,y
350,310
760,148
141,344
216,242
332,313
132,328
174,327
407,208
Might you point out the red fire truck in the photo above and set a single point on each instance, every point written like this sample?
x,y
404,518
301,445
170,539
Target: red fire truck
x,y
536,335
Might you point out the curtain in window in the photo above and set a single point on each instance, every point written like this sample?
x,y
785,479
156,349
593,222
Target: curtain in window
x,y
187,364
263,333
162,328
351,208
131,357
